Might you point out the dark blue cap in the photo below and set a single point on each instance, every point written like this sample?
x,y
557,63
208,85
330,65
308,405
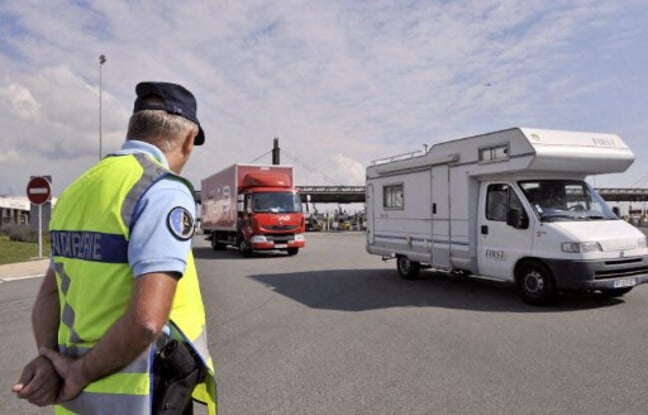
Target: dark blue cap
x,y
176,100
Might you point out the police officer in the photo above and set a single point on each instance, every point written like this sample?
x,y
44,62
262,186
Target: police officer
x,y
122,282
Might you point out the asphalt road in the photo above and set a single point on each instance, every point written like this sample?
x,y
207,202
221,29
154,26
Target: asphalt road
x,y
333,330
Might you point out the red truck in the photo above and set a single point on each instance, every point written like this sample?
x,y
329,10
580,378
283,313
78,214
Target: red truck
x,y
252,207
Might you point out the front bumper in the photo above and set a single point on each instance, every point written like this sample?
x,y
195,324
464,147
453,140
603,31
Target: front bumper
x,y
278,242
606,274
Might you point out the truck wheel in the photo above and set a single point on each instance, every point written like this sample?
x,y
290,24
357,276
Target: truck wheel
x,y
536,284
243,248
407,269
615,292
216,246
293,251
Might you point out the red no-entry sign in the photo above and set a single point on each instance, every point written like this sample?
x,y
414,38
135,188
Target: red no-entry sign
x,y
39,190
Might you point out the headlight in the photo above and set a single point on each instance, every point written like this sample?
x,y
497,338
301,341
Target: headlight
x,y
641,243
580,247
299,237
258,238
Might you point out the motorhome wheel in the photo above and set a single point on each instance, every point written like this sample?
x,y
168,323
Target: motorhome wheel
x,y
536,284
407,269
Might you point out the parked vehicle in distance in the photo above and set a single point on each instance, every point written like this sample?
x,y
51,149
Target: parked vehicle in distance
x,y
510,206
252,207
313,224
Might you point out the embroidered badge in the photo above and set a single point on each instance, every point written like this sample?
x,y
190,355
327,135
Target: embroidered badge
x,y
180,223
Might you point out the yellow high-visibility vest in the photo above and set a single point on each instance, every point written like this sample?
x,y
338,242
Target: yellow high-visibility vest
x,y
90,232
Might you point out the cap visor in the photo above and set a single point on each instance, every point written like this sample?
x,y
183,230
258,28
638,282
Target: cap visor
x,y
200,138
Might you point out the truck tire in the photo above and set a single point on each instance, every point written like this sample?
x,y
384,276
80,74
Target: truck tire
x,y
216,246
243,248
293,251
407,269
536,285
615,292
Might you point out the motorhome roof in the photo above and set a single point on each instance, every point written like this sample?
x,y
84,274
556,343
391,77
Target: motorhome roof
x,y
517,149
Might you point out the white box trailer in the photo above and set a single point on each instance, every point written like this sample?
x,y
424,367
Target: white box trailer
x,y
511,206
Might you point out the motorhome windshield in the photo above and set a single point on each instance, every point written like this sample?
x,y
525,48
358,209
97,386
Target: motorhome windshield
x,y
276,202
565,200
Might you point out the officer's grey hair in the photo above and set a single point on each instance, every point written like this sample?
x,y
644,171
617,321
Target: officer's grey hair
x,y
165,131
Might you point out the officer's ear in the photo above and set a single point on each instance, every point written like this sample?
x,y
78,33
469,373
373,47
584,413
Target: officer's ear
x,y
188,142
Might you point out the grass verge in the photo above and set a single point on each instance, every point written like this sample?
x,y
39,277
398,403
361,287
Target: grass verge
x,y
12,251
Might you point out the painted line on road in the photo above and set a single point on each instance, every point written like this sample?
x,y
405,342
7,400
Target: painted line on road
x,y
27,277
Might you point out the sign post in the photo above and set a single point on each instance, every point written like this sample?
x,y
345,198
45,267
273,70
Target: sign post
x,y
39,191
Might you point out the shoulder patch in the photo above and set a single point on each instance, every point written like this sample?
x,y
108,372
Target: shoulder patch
x,y
180,223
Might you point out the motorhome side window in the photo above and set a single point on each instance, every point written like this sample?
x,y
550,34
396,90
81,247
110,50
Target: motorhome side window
x,y
393,196
495,153
499,199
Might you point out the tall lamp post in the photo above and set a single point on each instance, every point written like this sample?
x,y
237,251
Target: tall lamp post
x,y
102,60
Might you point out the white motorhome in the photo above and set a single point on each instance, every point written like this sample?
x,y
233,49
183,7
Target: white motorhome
x,y
511,206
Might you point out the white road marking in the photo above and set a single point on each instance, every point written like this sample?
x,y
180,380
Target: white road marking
x,y
27,277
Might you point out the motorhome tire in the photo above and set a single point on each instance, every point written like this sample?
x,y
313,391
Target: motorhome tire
x,y
536,284
293,251
615,292
407,269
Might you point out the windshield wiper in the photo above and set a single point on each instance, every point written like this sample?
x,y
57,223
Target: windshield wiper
x,y
550,218
595,217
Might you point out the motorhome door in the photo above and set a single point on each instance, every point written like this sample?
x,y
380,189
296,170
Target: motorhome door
x,y
501,245
371,208
440,216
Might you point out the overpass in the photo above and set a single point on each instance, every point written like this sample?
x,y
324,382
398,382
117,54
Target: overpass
x,y
332,194
356,194
624,195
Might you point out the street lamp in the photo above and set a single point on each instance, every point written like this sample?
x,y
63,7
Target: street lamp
x,y
102,60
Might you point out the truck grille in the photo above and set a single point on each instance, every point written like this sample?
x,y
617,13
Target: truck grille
x,y
281,238
281,228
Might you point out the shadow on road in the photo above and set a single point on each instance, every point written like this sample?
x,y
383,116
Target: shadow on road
x,y
370,289
233,254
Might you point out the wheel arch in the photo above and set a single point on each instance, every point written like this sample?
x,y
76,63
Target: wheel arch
x,y
523,262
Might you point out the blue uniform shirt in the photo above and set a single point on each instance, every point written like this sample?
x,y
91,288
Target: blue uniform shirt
x,y
154,246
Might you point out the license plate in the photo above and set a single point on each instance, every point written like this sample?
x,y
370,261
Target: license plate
x,y
630,282
279,246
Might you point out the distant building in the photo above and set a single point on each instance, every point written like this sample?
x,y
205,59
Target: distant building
x,y
14,210
18,210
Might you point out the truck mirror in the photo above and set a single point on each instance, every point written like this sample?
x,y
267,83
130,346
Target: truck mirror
x,y
516,219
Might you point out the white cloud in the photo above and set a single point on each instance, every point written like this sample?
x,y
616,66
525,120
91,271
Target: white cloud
x,y
349,171
18,100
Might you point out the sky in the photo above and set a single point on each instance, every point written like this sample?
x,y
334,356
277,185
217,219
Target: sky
x,y
340,83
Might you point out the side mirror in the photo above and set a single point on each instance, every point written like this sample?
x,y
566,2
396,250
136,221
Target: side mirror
x,y
516,219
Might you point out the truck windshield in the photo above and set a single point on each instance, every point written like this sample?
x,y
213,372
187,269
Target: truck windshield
x,y
565,200
276,202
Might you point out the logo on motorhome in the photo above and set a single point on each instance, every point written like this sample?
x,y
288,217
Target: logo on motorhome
x,y
535,137
603,142
495,254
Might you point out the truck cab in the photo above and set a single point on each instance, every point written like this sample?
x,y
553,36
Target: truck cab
x,y
271,218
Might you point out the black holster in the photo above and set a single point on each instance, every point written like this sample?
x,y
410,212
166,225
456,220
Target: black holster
x,y
177,371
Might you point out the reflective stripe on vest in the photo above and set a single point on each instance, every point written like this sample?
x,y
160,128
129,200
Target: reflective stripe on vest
x,y
90,230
